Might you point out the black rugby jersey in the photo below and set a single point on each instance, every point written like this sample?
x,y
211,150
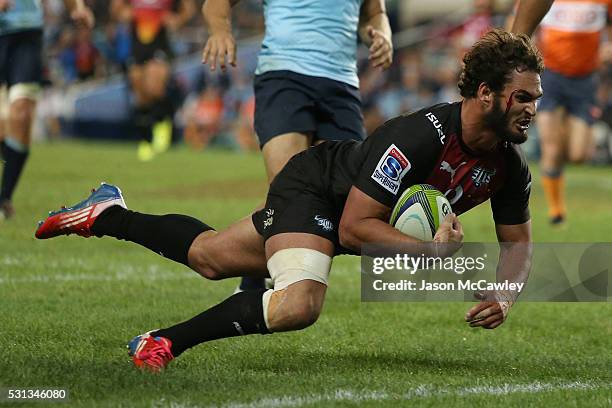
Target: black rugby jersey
x,y
426,147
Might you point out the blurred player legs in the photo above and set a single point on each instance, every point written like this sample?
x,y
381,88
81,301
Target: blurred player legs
x,y
571,49
21,43
278,150
153,111
21,61
156,96
564,122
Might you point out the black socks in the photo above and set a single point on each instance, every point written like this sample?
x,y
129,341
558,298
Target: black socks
x,y
250,283
14,161
168,235
171,236
237,315
142,120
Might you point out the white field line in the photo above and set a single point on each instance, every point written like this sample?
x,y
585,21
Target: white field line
x,y
419,392
109,273
82,277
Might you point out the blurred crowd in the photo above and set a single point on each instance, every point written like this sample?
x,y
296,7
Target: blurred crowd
x,y
77,54
219,108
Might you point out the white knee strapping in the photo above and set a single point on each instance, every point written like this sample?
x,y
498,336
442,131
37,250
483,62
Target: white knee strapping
x,y
28,90
266,301
293,265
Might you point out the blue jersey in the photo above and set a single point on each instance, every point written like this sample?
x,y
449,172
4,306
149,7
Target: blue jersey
x,y
23,15
311,37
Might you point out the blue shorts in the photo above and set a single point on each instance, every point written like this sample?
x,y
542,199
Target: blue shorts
x,y
575,94
289,102
21,57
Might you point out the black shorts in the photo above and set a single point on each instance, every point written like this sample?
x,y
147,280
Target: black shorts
x,y
289,102
21,57
297,202
158,49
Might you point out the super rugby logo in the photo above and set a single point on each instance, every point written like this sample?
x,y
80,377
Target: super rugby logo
x,y
391,168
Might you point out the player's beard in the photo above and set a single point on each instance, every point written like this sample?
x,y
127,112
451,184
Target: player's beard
x,y
497,121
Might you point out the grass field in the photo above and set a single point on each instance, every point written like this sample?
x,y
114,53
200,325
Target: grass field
x,y
69,305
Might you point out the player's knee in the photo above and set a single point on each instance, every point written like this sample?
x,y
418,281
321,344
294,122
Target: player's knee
x,y
552,158
303,314
552,151
293,309
300,281
156,79
22,110
577,157
202,256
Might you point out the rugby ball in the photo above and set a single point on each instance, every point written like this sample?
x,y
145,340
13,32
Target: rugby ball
x,y
419,211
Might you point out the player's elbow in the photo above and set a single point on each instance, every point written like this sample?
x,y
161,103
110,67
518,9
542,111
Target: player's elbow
x,y
349,237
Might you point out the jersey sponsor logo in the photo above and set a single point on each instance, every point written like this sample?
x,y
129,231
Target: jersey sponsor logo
x,y
481,176
576,17
454,194
448,168
324,223
391,168
437,125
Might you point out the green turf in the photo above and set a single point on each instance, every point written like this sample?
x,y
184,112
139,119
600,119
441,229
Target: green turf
x,y
69,305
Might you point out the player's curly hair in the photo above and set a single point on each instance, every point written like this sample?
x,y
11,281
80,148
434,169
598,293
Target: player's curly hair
x,y
493,59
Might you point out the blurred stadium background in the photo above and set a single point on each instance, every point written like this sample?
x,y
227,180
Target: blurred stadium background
x,y
88,94
69,305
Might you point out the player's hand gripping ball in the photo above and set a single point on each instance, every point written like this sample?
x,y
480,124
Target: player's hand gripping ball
x,y
420,211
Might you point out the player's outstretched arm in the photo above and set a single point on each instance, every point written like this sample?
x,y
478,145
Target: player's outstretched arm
x,y
514,265
221,46
529,14
375,31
